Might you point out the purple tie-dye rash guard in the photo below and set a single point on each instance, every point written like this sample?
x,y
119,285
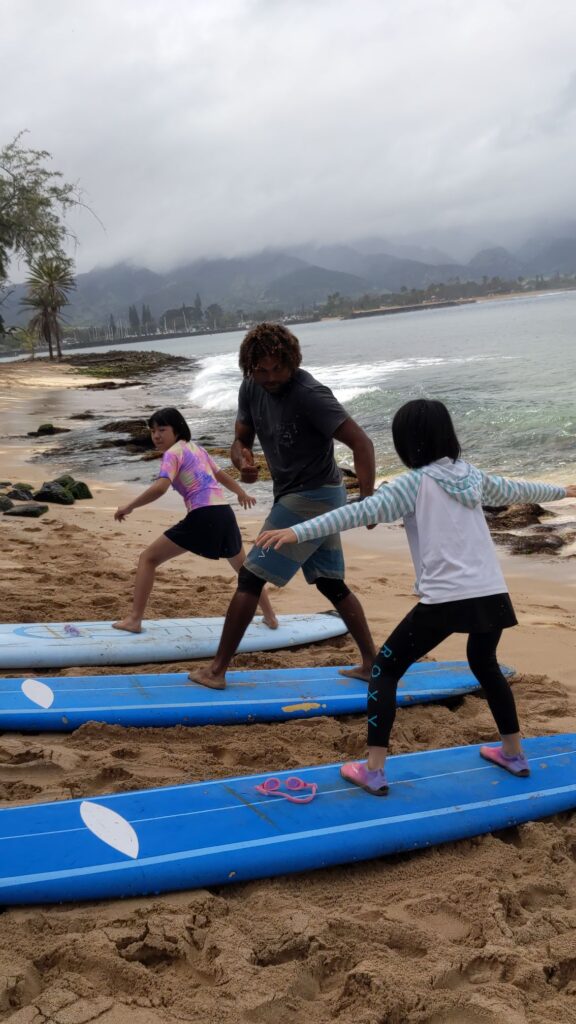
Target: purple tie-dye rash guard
x,y
190,470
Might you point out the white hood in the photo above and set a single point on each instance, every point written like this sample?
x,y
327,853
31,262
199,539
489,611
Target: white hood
x,y
459,479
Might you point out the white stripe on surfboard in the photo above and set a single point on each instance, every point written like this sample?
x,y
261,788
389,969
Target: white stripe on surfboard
x,y
306,681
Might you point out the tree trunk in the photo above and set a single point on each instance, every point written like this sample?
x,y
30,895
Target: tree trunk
x,y
48,337
56,331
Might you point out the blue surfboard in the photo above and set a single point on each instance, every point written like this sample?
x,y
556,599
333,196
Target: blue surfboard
x,y
217,832
42,704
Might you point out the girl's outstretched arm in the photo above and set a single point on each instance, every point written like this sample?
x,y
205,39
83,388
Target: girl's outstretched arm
x,y
245,499
390,502
499,490
152,493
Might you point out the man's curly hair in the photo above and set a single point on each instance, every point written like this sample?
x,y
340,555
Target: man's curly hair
x,y
269,339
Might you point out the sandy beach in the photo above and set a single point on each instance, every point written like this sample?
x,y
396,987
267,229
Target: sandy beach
x,y
475,932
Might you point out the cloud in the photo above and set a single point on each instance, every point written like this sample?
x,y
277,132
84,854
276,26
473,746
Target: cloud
x,y
216,127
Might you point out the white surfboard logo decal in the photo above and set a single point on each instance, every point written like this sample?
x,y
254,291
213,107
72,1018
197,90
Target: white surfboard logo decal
x,y
110,827
38,693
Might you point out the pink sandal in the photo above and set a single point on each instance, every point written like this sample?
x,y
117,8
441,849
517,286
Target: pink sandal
x,y
359,774
516,765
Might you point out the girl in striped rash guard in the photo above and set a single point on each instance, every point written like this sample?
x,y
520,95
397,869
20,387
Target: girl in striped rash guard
x,y
458,576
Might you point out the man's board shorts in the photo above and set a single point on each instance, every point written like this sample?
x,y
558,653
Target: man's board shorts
x,y
210,531
317,558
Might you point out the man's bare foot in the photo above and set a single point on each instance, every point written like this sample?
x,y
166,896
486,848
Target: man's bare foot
x,y
130,625
204,677
357,672
270,620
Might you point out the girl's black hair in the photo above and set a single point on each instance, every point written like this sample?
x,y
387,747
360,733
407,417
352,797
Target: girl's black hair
x,y
171,417
423,432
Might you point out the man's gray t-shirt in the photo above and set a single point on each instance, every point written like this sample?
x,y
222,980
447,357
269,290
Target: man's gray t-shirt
x,y
295,428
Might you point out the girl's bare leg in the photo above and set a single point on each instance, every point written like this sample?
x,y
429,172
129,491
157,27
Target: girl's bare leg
x,y
161,550
266,608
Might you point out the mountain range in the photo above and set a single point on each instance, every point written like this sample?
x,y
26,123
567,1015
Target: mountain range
x,y
295,279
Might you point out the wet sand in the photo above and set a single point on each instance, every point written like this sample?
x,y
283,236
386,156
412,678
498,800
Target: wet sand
x,y
475,932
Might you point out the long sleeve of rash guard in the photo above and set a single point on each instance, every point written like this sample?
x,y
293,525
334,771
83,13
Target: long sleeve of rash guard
x,y
498,490
390,502
397,499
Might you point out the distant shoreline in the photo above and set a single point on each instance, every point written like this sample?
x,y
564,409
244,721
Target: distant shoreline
x,y
358,314
445,303
7,355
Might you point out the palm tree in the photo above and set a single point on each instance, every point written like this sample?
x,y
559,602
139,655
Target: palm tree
x,y
49,283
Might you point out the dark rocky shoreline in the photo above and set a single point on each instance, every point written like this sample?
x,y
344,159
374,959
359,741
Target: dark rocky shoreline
x,y
115,370
64,490
521,528
125,364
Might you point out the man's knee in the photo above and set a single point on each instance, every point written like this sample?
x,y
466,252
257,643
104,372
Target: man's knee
x,y
248,583
334,590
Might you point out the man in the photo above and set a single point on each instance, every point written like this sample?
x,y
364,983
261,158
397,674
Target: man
x,y
296,420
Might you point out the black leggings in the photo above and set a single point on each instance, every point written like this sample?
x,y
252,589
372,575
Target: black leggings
x,y
405,646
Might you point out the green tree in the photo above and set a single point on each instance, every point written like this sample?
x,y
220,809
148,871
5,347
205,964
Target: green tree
x,y
26,339
337,304
48,287
148,321
214,316
197,314
134,320
33,201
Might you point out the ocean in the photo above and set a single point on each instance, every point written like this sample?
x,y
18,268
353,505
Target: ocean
x,y
506,369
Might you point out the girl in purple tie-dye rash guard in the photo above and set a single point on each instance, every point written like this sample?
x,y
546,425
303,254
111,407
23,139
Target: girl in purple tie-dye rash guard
x,y
209,528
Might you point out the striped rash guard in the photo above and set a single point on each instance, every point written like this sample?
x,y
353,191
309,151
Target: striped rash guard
x,y
441,505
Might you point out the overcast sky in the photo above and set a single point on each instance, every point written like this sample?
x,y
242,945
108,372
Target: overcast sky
x,y
217,127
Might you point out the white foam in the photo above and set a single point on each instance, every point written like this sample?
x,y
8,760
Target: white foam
x,y
215,387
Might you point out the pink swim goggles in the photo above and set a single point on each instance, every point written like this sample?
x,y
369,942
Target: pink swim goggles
x,y
273,787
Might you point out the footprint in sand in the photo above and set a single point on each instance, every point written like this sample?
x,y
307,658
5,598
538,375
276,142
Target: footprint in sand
x,y
126,753
439,918
231,757
17,790
113,773
24,759
481,970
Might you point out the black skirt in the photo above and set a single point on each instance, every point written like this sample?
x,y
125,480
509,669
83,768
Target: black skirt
x,y
472,615
211,531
